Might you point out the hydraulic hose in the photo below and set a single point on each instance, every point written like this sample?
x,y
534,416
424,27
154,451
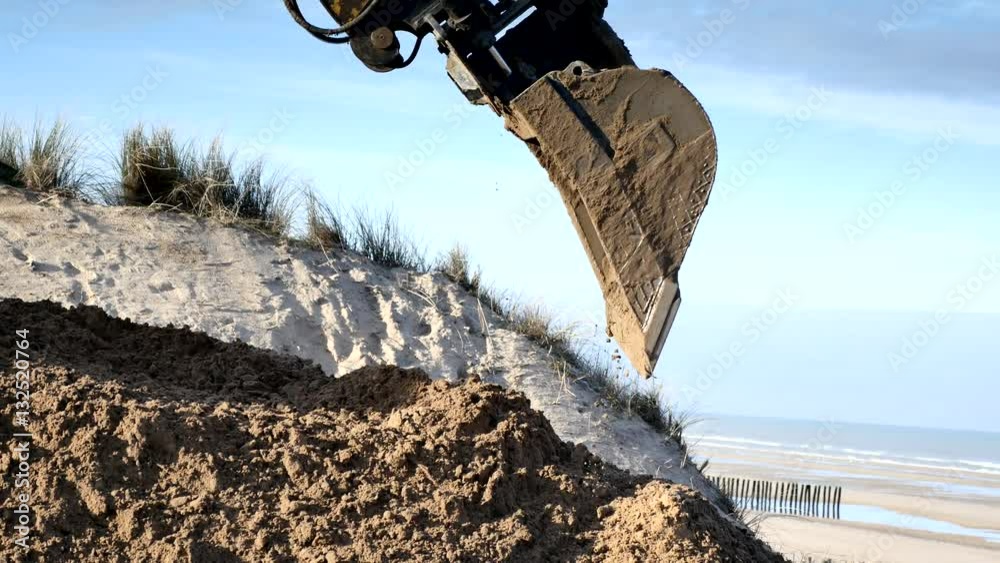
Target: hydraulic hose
x,y
326,33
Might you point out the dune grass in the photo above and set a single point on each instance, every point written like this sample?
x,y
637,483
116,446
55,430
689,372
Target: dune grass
x,y
154,169
540,325
325,229
10,143
46,160
571,361
455,265
645,402
379,238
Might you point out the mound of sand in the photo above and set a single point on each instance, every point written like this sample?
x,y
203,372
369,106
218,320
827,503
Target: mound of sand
x,y
160,444
340,311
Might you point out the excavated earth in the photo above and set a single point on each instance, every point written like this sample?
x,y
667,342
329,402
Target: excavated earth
x,y
162,444
336,309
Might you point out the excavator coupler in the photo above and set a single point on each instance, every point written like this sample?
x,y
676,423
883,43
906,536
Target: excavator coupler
x,y
631,151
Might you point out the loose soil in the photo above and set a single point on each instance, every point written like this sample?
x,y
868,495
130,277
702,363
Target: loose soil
x,y
340,311
161,444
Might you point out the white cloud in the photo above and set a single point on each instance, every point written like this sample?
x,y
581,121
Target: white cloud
x,y
900,113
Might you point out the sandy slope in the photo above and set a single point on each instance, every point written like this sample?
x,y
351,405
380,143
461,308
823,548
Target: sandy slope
x,y
341,312
158,444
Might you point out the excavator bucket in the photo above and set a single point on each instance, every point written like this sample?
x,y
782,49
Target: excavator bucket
x,y
633,155
631,151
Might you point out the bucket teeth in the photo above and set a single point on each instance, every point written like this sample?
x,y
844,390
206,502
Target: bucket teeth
x,y
633,155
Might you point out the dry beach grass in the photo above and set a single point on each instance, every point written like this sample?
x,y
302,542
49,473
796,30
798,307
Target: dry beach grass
x,y
154,169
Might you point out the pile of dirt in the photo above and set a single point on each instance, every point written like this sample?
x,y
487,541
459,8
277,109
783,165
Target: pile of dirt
x,y
160,444
341,311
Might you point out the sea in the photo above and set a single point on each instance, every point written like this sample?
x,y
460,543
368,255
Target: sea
x,y
919,449
863,458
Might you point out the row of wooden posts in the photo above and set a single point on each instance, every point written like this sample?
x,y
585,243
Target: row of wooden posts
x,y
820,501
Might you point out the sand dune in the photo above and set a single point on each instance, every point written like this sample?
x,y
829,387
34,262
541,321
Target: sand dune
x,y
158,444
341,312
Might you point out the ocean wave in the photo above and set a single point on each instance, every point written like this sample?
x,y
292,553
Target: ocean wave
x,y
712,438
862,452
933,459
983,464
850,456
721,441
951,467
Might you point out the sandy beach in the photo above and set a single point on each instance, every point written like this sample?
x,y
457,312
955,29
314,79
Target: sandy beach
x,y
892,511
798,538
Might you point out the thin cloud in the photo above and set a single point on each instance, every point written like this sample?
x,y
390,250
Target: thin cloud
x,y
911,114
938,68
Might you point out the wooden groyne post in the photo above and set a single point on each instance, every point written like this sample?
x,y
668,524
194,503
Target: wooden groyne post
x,y
782,497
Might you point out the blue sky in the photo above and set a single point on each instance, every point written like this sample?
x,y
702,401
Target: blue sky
x,y
847,252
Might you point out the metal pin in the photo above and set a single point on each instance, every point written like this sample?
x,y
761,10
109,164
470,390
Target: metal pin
x,y
499,59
